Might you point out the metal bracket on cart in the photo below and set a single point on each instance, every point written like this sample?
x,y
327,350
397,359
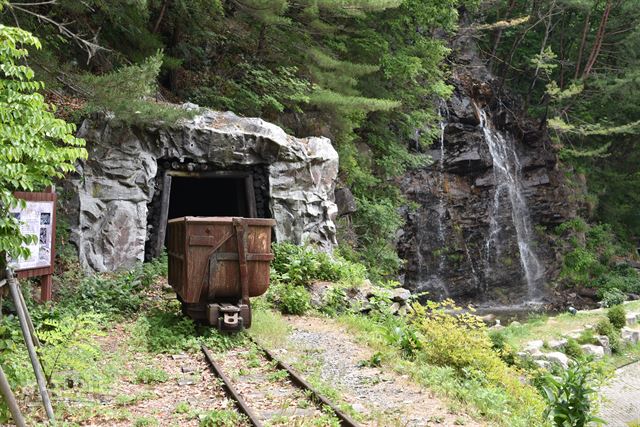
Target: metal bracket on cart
x,y
229,317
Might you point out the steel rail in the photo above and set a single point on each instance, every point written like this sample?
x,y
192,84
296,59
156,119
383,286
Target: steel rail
x,y
294,376
231,391
345,420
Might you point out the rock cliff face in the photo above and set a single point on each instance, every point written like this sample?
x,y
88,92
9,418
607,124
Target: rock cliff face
x,y
119,185
480,232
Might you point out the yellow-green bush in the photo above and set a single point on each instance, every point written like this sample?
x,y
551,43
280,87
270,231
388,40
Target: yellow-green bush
x,y
461,342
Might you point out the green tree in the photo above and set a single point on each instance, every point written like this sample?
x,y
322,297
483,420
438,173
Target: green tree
x,y
35,146
576,63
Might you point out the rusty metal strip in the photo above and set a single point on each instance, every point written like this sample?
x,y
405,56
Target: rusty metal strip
x,y
241,237
232,256
345,420
231,391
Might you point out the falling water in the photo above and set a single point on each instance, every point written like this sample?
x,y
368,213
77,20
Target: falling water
x,y
506,171
444,113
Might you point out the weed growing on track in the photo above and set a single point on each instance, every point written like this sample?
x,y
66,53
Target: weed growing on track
x,y
151,375
222,418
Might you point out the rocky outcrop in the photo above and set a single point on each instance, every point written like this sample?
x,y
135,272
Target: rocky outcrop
x,y
461,240
119,182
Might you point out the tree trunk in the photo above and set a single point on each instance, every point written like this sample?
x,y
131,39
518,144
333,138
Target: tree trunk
x,y
597,45
583,41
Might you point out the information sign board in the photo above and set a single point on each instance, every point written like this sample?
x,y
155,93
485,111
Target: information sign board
x,y
36,220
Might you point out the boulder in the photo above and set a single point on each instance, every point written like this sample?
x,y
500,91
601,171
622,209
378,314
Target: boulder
x,y
395,308
593,350
630,336
318,290
532,346
345,201
603,341
544,364
557,344
558,358
632,318
400,295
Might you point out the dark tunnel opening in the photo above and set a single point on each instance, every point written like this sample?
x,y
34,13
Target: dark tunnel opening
x,y
202,196
181,192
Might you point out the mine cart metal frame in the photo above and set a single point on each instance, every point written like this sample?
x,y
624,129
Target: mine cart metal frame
x,y
216,264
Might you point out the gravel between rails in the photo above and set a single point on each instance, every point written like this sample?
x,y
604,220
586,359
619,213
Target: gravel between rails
x,y
267,390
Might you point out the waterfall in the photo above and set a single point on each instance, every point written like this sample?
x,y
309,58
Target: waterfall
x,y
441,196
506,173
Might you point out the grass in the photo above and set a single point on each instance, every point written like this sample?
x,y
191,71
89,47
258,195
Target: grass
x,y
269,327
549,328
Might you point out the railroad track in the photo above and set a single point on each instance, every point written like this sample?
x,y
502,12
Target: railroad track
x,y
267,390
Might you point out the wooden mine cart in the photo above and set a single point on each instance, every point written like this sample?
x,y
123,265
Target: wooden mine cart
x,y
216,264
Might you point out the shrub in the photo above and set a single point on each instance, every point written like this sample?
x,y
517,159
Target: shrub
x,y
605,327
151,375
462,343
301,265
617,316
586,337
290,299
573,349
145,422
114,294
612,297
335,301
569,396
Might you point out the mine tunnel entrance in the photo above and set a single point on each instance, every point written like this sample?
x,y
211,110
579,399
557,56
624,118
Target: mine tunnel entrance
x,y
211,195
186,191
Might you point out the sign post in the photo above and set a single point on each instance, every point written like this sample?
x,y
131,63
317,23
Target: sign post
x,y
37,218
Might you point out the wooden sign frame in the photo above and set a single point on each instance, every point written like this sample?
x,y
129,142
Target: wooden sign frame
x,y
45,273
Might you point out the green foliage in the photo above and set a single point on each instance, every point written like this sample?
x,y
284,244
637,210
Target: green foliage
x,y
67,356
374,361
289,298
617,315
165,331
125,93
69,344
573,349
376,224
109,294
586,337
591,259
221,418
151,375
407,339
604,327
301,265
557,61
461,342
145,422
182,408
35,147
114,295
612,297
570,396
335,301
